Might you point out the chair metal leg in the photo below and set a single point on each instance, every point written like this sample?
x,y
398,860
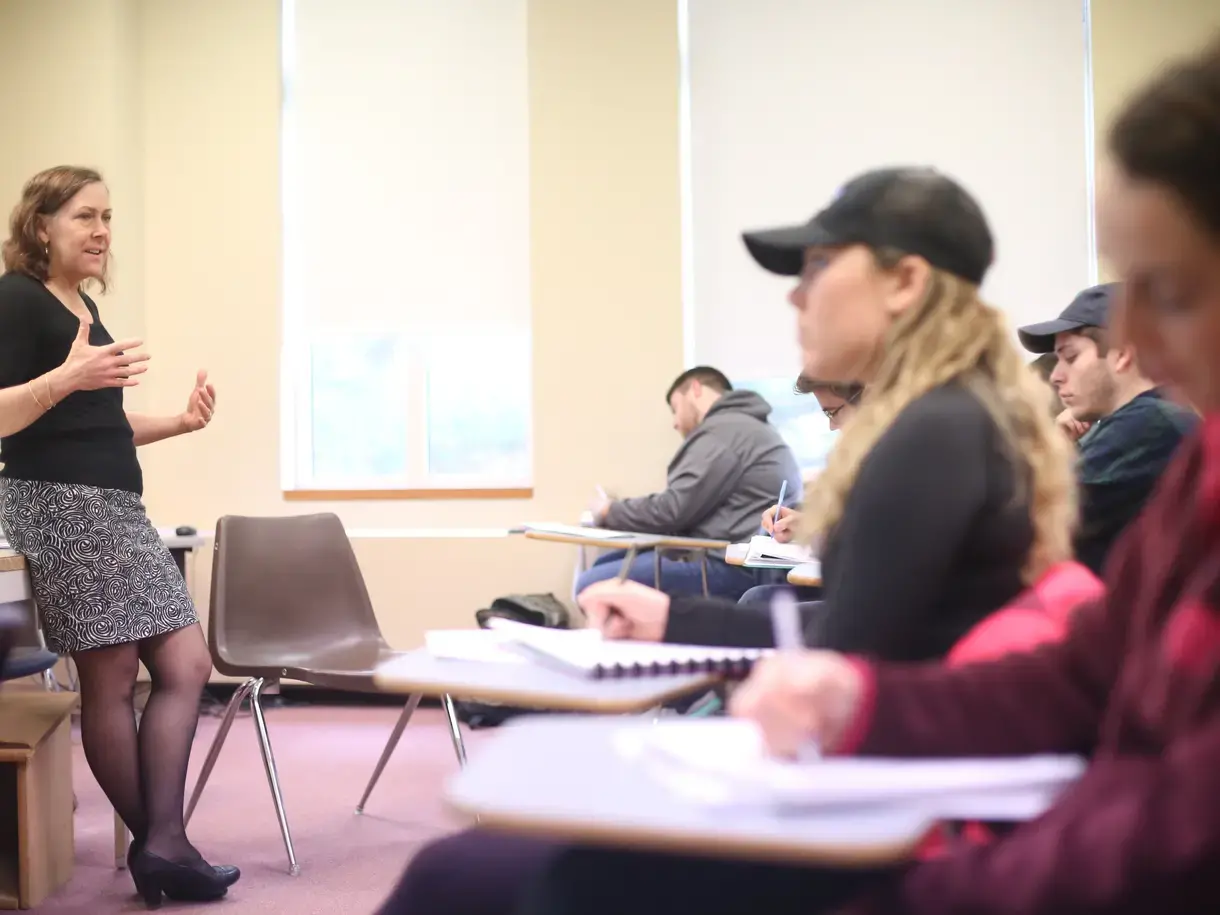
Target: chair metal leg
x,y
455,730
703,571
120,843
273,777
407,711
656,568
218,741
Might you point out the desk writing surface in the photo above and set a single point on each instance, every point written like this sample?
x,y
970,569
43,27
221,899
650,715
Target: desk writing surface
x,y
630,808
673,541
531,685
14,581
11,562
639,541
807,574
172,540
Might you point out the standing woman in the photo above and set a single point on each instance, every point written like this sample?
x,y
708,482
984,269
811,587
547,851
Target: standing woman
x,y
70,500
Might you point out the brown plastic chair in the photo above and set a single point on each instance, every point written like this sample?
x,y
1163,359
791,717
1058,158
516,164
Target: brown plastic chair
x,y
288,601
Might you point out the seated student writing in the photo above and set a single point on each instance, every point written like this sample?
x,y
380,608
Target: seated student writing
x,y
731,465
925,509
1134,685
928,496
1126,429
838,402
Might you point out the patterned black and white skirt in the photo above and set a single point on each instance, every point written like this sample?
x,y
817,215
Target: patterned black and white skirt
x,y
100,573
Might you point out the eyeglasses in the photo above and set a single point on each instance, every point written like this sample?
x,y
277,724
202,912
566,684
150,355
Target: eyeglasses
x,y
831,412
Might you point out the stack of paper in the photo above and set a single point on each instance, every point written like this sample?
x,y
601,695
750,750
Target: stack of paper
x,y
765,553
499,645
722,763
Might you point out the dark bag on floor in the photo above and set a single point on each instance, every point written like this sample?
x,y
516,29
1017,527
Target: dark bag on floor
x,y
534,610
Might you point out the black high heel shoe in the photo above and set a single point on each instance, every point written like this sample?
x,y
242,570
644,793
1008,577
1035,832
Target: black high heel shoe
x,y
195,882
228,873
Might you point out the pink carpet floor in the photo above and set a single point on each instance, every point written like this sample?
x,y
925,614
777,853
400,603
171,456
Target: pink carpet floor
x,y
325,757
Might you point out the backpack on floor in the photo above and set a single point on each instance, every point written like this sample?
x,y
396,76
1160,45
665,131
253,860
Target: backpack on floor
x,y
532,609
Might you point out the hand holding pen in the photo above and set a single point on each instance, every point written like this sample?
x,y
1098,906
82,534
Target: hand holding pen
x,y
780,523
803,701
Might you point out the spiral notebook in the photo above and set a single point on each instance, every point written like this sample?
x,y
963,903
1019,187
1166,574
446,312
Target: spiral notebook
x,y
765,552
598,658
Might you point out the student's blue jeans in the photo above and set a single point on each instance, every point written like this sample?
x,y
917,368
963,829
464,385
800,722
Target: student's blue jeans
x,y
679,577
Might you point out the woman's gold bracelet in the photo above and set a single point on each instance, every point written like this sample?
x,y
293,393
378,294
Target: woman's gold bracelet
x,y
34,394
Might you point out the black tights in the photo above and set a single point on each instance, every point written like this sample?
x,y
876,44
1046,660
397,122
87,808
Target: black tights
x,y
144,774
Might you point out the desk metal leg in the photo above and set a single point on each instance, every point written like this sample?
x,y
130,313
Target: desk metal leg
x,y
656,568
703,571
455,729
407,711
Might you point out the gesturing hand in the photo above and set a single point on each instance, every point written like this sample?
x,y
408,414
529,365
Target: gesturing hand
x,y
798,697
201,404
89,368
625,610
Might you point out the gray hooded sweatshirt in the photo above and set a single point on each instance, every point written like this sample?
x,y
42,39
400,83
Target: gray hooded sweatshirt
x,y
726,474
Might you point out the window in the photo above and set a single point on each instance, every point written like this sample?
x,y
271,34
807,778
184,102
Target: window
x,y
406,247
799,419
783,100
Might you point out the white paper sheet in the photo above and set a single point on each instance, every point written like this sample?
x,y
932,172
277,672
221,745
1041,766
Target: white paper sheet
x,y
722,762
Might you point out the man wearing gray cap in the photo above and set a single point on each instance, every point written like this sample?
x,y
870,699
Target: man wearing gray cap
x,y
1125,428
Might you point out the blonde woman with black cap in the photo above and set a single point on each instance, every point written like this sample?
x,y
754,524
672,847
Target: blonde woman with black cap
x,y
1134,686
948,492
951,489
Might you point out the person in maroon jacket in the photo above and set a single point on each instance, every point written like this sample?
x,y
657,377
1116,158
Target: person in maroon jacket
x,y
1135,684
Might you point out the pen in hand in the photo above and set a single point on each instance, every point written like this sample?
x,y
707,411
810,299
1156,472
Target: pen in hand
x,y
786,626
783,491
623,571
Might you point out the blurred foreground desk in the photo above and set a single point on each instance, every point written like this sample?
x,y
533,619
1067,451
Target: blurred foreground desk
x,y
631,808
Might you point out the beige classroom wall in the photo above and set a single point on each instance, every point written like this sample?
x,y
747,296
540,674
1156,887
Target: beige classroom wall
x,y
179,104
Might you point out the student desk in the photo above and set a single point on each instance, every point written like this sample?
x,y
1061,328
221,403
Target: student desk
x,y
806,575
179,547
15,587
14,582
417,674
736,553
636,542
630,808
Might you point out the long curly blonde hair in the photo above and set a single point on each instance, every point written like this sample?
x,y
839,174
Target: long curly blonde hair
x,y
953,335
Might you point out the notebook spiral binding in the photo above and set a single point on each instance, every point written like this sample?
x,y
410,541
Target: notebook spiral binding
x,y
735,666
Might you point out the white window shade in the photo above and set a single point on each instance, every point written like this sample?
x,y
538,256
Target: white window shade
x,y
406,204
786,99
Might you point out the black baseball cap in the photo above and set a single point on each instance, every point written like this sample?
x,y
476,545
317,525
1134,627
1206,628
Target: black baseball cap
x,y
913,209
1090,308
